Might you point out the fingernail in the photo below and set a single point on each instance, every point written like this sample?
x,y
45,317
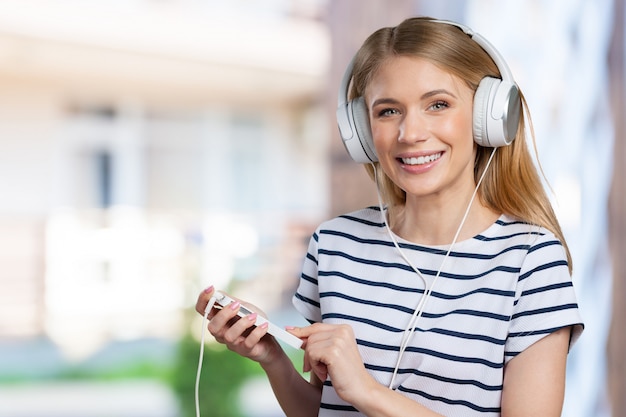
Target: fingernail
x,y
234,305
252,317
265,325
208,289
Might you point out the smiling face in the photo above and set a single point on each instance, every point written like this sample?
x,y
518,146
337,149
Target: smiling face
x,y
421,121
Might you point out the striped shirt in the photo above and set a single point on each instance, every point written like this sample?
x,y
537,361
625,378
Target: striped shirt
x,y
497,294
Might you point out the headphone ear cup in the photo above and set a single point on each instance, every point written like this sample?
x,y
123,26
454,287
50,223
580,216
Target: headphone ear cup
x,y
363,129
496,112
355,131
481,109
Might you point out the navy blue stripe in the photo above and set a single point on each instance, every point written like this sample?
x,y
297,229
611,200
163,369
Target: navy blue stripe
x,y
546,310
402,266
490,291
383,326
503,223
309,278
469,336
487,257
357,239
307,300
454,358
428,375
361,320
405,267
363,221
341,407
548,288
541,331
369,302
338,407
468,312
381,284
449,401
542,268
460,312
483,238
453,254
544,245
311,257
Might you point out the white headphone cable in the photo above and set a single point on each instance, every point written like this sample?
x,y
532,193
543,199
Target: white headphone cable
x,y
417,314
205,319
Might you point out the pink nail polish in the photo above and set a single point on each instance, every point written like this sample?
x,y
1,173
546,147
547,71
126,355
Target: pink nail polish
x,y
252,317
235,305
208,289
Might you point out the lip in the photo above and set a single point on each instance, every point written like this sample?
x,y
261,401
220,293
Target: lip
x,y
421,167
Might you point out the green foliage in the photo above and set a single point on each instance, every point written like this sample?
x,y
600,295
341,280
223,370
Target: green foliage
x,y
223,374
137,369
129,367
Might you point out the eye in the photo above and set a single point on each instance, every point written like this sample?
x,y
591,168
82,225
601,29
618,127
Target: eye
x,y
386,112
439,105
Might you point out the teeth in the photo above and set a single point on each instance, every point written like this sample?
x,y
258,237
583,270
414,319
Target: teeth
x,y
420,160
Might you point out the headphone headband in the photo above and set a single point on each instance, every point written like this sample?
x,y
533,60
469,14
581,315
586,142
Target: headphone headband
x,y
487,46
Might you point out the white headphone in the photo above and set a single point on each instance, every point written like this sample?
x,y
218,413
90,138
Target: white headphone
x,y
496,113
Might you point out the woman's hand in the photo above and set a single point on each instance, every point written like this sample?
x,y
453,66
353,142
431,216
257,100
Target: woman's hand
x,y
331,350
239,334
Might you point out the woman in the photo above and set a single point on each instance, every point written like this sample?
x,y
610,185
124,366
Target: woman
x,y
455,298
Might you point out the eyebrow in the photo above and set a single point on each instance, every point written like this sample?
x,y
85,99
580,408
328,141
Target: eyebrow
x,y
436,92
426,95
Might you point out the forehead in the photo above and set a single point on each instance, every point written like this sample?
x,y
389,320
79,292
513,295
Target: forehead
x,y
408,73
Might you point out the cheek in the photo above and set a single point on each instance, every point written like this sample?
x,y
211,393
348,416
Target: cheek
x,y
382,136
460,128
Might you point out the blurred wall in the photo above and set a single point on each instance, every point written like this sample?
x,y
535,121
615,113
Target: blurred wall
x,y
138,137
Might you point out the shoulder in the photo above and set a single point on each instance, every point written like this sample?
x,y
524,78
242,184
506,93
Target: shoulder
x,y
514,231
542,256
350,231
544,247
368,218
506,227
511,236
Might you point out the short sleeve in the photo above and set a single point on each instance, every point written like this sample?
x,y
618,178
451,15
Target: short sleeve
x,y
545,300
306,298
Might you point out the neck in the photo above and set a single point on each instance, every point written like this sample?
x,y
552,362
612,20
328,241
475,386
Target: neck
x,y
437,223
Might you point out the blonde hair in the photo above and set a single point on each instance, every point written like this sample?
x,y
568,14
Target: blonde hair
x,y
512,185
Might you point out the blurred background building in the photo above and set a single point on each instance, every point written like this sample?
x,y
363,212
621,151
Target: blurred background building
x,y
149,148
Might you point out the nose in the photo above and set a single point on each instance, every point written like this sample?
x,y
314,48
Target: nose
x,y
412,129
